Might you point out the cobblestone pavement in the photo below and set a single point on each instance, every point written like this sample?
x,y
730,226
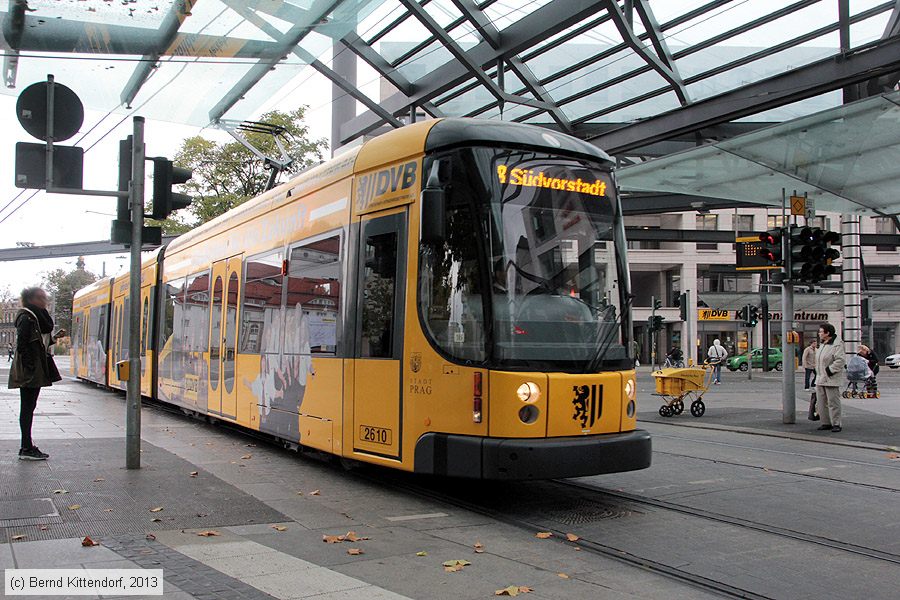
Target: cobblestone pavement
x,y
738,504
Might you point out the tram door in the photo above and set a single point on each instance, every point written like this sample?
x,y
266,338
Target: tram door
x,y
379,325
223,320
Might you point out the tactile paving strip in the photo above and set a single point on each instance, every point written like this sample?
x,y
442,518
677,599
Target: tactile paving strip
x,y
96,496
189,575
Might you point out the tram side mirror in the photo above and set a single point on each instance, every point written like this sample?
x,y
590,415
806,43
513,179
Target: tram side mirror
x,y
434,210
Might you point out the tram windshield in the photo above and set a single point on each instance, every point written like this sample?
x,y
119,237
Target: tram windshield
x,y
526,274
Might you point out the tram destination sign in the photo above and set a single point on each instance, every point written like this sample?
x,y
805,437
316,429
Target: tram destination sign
x,y
749,255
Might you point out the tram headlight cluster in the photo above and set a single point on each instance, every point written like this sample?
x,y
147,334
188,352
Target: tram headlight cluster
x,y
528,392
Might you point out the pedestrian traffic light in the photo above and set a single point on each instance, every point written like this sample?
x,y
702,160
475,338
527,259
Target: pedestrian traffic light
x,y
771,247
752,316
165,175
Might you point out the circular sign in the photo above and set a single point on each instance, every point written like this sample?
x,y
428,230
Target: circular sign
x,y
68,112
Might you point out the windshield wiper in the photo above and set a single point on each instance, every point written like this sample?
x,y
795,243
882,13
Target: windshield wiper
x,y
604,345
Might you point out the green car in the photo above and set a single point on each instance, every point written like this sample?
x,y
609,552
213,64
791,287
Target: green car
x,y
739,362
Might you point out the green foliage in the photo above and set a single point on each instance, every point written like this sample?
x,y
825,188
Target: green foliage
x,y
227,175
61,286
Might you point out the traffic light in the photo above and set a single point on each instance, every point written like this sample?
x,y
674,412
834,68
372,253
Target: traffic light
x,y
683,305
752,316
811,254
771,247
655,323
165,175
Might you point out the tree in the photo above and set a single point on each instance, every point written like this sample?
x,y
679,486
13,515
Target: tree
x,y
61,286
227,175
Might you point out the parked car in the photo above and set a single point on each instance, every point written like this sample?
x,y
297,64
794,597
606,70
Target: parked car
x,y
893,361
739,361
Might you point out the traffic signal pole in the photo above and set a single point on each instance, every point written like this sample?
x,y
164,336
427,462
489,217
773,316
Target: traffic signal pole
x,y
133,391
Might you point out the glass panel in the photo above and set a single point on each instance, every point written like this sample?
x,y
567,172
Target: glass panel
x,y
583,46
215,336
195,340
503,14
314,298
424,61
616,66
593,108
867,30
145,315
261,309
379,282
230,331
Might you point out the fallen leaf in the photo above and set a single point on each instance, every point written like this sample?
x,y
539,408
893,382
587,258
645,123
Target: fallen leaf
x,y
43,528
299,493
209,533
60,491
99,479
479,547
562,575
194,473
893,456
451,566
107,510
279,527
74,507
351,536
332,539
247,457
766,469
543,535
16,538
577,549
513,590
155,520
422,553
88,542
156,509
201,515
150,536
314,493
354,551
572,537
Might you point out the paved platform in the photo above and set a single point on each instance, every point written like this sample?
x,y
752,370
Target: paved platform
x,y
270,508
754,406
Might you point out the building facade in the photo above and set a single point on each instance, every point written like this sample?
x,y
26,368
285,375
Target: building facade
x,y
717,291
8,312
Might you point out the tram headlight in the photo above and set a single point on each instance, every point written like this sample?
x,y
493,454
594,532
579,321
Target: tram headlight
x,y
630,389
528,392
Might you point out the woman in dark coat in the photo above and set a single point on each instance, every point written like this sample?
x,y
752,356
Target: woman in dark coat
x,y
33,366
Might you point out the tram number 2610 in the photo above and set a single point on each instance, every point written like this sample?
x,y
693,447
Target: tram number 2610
x,y
376,435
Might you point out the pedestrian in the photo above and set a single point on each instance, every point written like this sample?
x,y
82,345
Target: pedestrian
x,y
10,350
872,359
636,352
33,366
716,356
829,367
809,364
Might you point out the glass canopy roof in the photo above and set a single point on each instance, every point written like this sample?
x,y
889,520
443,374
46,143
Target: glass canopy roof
x,y
574,65
846,159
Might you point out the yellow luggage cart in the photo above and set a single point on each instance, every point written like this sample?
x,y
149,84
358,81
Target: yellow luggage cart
x,y
676,386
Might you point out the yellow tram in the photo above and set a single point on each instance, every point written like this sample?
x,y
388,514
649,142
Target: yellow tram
x,y
449,298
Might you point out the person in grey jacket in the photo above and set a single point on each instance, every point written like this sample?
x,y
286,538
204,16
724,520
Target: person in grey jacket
x,y
829,373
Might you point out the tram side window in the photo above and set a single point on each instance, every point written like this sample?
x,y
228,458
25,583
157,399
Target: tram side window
x,y
124,329
101,331
263,282
313,299
196,313
94,325
379,285
172,290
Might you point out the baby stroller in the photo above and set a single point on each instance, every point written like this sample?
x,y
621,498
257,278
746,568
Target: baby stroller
x,y
859,374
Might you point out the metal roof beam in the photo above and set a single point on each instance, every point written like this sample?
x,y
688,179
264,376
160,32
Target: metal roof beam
x,y
665,71
651,25
546,21
64,250
319,10
359,47
491,35
168,31
862,63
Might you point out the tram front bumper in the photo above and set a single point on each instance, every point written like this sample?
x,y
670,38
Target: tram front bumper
x,y
531,458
